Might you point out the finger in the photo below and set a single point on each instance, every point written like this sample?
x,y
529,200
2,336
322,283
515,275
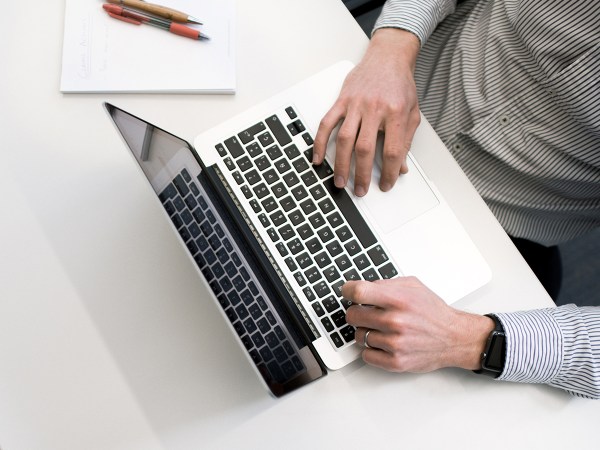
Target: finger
x,y
344,146
367,317
379,358
394,153
367,292
326,126
413,123
364,151
373,339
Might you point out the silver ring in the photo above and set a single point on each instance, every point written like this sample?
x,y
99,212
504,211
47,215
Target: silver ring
x,y
365,339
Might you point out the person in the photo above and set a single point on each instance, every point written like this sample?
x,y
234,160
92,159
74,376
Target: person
x,y
513,89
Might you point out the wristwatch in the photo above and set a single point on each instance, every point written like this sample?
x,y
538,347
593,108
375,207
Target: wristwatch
x,y
494,355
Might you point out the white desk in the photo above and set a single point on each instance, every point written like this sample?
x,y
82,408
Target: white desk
x,y
107,340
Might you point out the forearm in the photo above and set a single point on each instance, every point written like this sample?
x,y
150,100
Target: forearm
x,y
420,17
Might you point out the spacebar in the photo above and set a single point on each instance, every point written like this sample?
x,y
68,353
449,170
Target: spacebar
x,y
351,213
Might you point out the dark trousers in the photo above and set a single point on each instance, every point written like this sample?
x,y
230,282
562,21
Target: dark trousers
x,y
545,263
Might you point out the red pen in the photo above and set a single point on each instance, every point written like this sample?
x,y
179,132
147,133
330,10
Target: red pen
x,y
138,18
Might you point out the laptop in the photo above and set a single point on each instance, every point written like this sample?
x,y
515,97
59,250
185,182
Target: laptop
x,y
275,240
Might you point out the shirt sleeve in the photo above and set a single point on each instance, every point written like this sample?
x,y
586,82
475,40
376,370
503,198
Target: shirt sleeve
x,y
420,17
557,346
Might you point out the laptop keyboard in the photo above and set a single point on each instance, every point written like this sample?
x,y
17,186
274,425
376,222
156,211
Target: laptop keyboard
x,y
239,293
319,233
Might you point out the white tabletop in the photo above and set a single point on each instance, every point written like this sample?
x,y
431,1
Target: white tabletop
x,y
108,339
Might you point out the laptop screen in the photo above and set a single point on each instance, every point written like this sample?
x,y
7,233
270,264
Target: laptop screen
x,y
281,354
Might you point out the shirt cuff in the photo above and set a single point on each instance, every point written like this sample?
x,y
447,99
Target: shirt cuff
x,y
420,17
556,346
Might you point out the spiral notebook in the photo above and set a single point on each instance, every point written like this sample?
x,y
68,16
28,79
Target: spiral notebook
x,y
102,54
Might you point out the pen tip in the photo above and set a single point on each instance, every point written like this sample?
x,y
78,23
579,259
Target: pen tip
x,y
194,20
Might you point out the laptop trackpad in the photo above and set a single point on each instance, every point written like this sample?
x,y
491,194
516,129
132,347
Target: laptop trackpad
x,y
410,197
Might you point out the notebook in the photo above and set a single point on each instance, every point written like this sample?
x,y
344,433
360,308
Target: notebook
x,y
275,240
102,54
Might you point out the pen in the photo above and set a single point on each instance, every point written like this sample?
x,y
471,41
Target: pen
x,y
158,10
138,18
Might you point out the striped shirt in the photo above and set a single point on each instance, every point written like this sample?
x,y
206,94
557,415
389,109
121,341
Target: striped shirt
x,y
513,89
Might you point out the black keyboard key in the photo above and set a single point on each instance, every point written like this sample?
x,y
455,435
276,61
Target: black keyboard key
x,y
279,190
262,162
377,255
334,248
278,218
388,271
292,129
327,324
326,206
291,264
287,203
234,147
253,177
295,246
248,134
322,289
304,260
296,217
181,185
322,259
238,177
254,149
300,279
309,294
309,178
347,333
261,190
291,151
352,274
319,311
290,112
331,274
291,179
323,170
325,234
269,204
351,213
257,338
337,288
271,176
264,220
330,303
263,325
339,318
300,165
337,340
313,275
316,220
308,139
305,231
282,249
318,192
251,327
221,150
299,192
254,205
314,245
286,232
247,192
343,263
265,139
274,152
343,233
361,262
278,130
282,165
370,275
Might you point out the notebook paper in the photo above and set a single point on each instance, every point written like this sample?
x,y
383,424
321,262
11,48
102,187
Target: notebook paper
x,y
103,54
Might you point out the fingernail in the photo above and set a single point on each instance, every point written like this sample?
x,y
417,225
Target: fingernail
x,y
360,191
386,187
339,181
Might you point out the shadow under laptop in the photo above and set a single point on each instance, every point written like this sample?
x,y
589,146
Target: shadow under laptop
x,y
168,340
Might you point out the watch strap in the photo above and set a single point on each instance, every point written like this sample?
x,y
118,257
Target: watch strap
x,y
494,354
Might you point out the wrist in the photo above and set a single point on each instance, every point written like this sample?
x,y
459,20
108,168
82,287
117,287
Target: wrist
x,y
471,334
397,44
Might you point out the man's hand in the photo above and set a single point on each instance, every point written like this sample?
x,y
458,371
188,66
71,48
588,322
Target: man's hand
x,y
412,329
379,94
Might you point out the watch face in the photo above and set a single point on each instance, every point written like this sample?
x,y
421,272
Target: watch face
x,y
495,356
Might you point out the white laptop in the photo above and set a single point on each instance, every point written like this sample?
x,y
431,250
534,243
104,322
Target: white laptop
x,y
275,240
